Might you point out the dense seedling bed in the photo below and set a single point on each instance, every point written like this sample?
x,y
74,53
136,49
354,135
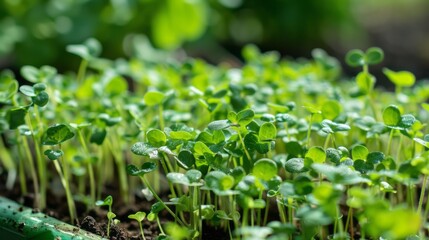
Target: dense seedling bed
x,y
276,149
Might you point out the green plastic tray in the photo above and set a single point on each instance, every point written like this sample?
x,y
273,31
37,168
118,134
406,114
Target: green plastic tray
x,y
18,222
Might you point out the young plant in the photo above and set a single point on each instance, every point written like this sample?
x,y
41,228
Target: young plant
x,y
55,135
108,201
139,217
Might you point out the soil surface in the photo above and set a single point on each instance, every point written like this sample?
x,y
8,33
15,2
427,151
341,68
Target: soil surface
x,y
94,220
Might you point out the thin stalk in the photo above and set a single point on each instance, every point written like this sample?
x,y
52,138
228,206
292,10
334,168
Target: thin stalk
x,y
399,150
422,194
281,212
162,202
166,168
65,183
82,69
259,212
88,166
267,208
245,217
22,181
33,173
309,130
9,164
141,230
159,226
389,143
41,164
339,222
118,158
349,222
244,146
161,117
425,216
326,144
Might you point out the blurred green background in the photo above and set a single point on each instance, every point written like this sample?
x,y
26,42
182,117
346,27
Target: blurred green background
x,y
36,32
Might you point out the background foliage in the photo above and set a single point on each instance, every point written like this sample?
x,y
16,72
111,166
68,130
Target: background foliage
x,y
36,32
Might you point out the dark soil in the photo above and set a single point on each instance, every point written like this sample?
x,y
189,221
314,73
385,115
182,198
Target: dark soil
x,y
95,220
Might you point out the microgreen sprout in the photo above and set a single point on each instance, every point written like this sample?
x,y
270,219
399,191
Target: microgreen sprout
x,y
139,217
108,201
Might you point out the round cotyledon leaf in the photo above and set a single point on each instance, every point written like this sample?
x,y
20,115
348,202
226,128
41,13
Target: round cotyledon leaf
x,y
57,134
355,58
391,115
265,169
138,216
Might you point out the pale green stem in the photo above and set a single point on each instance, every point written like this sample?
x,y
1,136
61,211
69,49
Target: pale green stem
x,y
141,230
64,181
160,200
82,69
422,195
88,166
309,130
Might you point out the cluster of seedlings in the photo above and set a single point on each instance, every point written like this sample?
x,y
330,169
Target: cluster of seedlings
x,y
276,149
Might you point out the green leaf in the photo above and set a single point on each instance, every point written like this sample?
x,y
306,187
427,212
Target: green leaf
x,y
108,120
359,152
375,157
41,99
394,223
98,135
407,120
219,124
8,87
316,154
39,87
90,49
108,201
331,109
57,134
265,169
365,82
295,165
27,90
374,55
156,138
30,73
16,117
193,175
312,109
181,135
363,166
178,178
339,174
138,216
245,116
157,207
111,215
153,98
144,149
147,167
294,148
186,159
267,132
355,58
226,182
400,79
200,148
391,116
116,85
53,154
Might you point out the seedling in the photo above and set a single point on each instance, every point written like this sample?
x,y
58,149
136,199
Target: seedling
x,y
236,148
139,217
108,201
54,136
